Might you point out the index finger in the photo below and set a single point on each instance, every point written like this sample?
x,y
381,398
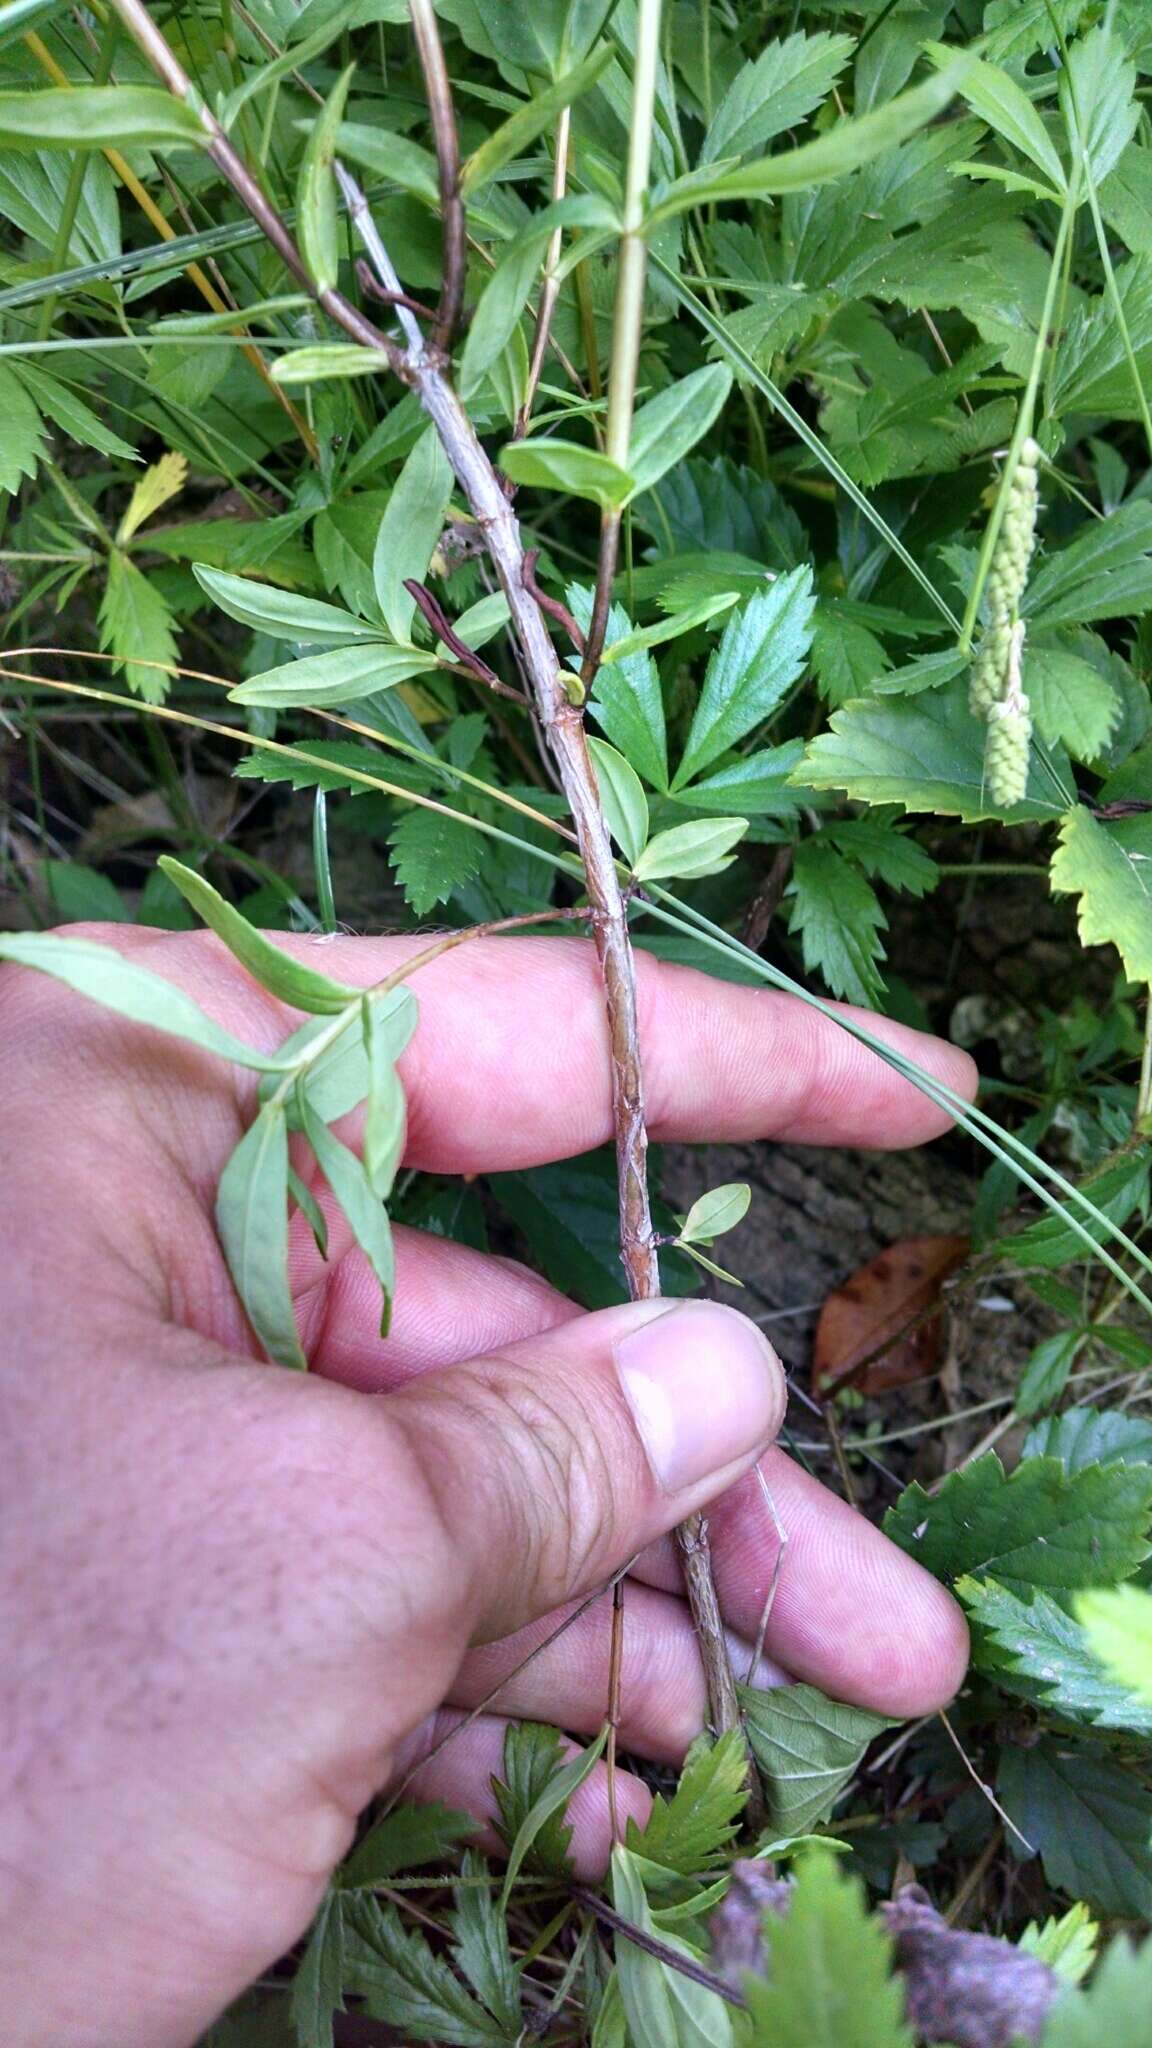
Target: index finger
x,y
510,1064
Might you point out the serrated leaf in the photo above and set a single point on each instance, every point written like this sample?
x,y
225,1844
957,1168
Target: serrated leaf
x,y
160,482
883,850
712,1214
663,2007
1114,887
136,626
688,851
1037,1527
1117,1627
22,437
1003,104
533,1755
1114,2008
1040,1651
1098,100
318,1986
1068,1944
1045,1376
1117,1190
673,627
404,1839
481,1949
403,1980
838,917
1090,1820
831,1969
98,117
289,979
132,991
412,523
1105,573
622,797
552,1800
432,856
690,1831
252,1221
670,424
282,614
925,753
761,654
1072,703
1089,1436
552,464
317,218
775,91
342,675
846,657
65,410
626,697
807,1747
760,784
363,1209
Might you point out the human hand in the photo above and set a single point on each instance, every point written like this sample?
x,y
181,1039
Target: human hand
x,y
238,1601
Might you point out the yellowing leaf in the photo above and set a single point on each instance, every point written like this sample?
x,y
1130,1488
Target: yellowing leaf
x,y
163,480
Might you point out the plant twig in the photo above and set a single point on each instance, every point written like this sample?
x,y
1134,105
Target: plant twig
x,y
454,255
423,369
444,630
550,287
551,605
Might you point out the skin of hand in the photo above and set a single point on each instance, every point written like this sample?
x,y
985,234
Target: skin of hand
x,y
238,1601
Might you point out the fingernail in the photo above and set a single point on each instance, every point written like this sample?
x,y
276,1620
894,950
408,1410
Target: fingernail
x,y
704,1387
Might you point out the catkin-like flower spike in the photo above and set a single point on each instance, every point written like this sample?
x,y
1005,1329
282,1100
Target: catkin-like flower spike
x,y
989,669
1009,734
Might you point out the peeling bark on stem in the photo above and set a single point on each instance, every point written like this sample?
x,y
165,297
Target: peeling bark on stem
x,y
423,367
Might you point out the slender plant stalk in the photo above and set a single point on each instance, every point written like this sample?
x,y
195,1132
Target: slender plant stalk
x,y
550,286
454,255
424,370
628,313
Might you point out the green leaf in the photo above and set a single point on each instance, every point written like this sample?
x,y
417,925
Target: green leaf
x,y
278,972
1072,703
626,696
760,656
393,157
846,657
551,1801
673,627
839,919
775,92
1088,1436
70,413
999,101
433,855
310,1209
663,2007
136,626
1117,1627
98,117
688,851
879,847
22,439
719,1210
481,1947
551,464
132,991
338,1077
318,223
759,785
1068,1944
846,147
404,1981
282,614
385,1119
1092,372
1098,100
1114,2008
831,1968
671,423
569,1215
404,1839
318,1986
1112,883
1040,1526
1090,1820
321,361
533,1755
347,1177
1104,573
412,524
807,1746
1046,1374
252,1220
341,676
498,311
925,753
622,796
531,120
79,893
1116,1190
1037,1649
690,1831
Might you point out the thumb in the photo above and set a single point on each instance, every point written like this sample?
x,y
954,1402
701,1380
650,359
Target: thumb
x,y
553,1461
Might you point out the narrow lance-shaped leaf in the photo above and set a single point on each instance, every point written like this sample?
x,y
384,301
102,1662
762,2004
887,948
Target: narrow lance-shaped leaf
x,y
316,190
530,120
291,980
622,795
719,1210
282,614
364,1210
341,676
386,1115
98,117
252,1219
670,424
409,530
